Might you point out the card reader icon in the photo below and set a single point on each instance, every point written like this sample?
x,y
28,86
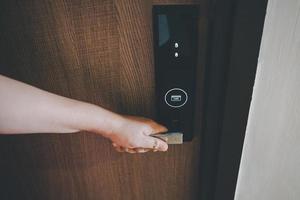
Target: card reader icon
x,y
175,98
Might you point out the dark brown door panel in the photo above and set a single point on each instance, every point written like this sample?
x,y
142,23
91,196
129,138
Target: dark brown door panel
x,y
100,52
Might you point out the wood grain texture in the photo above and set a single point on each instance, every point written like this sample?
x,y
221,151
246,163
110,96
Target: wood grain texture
x,y
99,52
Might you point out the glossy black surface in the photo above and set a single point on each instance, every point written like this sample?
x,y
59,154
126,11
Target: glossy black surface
x,y
175,30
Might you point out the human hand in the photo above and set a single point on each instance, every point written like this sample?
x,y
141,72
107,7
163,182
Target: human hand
x,y
133,135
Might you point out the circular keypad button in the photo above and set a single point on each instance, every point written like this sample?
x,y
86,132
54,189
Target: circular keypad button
x,y
176,97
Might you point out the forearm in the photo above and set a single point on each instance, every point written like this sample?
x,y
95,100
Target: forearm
x,y
26,109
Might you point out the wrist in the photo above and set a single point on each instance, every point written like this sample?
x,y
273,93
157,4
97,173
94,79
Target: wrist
x,y
102,121
111,125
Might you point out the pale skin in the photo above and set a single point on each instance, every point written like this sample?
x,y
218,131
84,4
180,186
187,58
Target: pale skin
x,y
26,109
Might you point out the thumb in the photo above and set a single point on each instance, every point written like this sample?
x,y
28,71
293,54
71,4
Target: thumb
x,y
157,128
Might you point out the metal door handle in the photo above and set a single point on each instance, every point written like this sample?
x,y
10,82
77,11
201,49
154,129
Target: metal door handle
x,y
171,137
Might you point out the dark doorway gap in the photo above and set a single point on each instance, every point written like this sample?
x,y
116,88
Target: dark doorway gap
x,y
235,33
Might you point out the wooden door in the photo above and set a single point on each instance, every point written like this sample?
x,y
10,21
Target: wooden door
x,y
99,52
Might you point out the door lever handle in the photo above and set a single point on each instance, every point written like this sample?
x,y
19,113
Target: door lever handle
x,y
170,137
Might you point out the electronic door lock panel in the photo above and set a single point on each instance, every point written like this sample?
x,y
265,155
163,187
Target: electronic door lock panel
x,y
175,33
